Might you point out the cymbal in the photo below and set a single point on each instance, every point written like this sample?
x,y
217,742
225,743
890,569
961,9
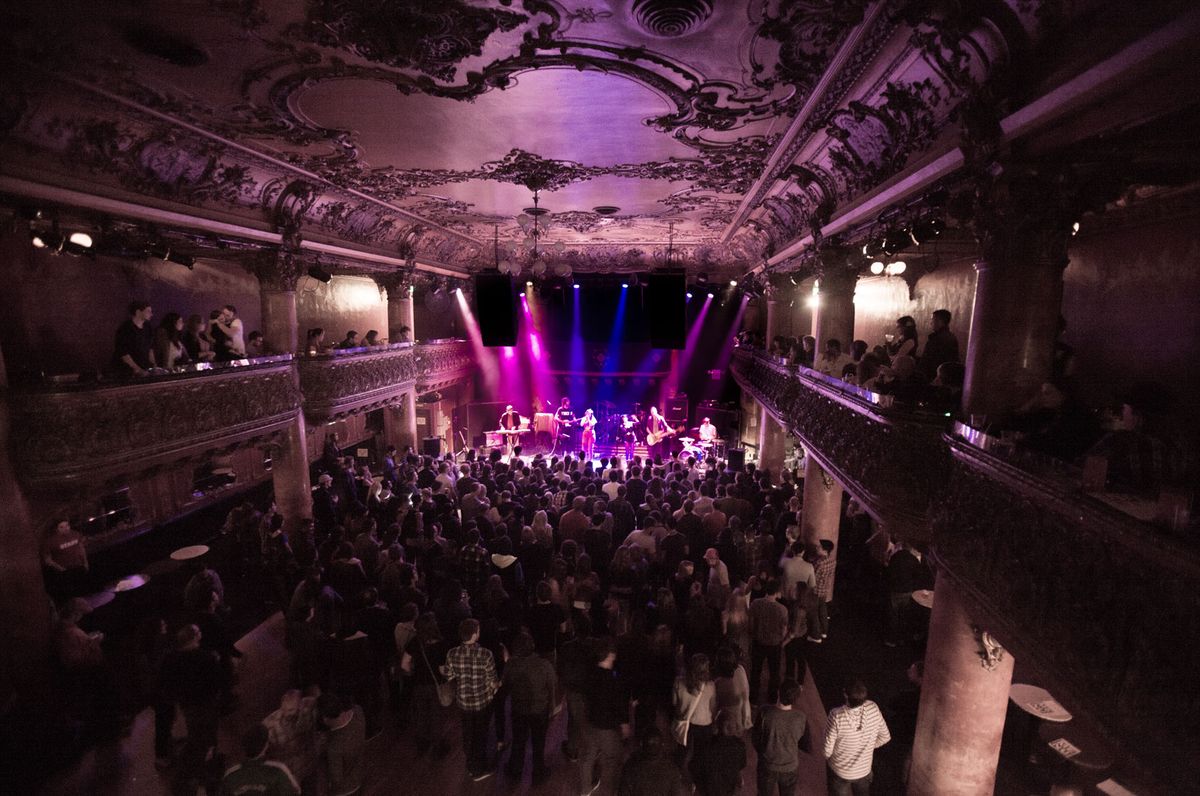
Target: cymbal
x,y
687,440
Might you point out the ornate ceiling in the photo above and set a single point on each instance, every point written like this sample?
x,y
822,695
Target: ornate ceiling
x,y
721,128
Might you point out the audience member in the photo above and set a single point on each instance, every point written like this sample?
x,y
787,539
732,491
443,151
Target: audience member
x,y
852,734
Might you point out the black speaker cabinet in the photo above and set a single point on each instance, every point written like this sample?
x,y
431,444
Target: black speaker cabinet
x,y
431,446
676,410
496,308
737,459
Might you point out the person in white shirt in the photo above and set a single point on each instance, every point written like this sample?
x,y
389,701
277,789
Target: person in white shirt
x,y
231,325
852,734
832,361
794,569
612,485
708,432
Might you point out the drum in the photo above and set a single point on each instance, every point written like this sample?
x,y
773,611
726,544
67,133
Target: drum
x,y
493,439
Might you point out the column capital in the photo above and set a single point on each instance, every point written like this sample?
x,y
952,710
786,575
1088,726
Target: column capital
x,y
1024,216
394,282
278,270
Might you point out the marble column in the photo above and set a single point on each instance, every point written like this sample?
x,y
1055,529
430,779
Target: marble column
x,y
772,443
833,318
400,422
821,516
24,606
772,319
964,697
398,285
1024,229
277,273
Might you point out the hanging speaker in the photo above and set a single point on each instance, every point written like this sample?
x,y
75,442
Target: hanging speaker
x,y
496,308
666,309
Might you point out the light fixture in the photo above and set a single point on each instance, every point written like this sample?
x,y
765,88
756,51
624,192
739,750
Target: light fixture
x,y
814,299
702,278
605,210
689,294
877,267
529,284
927,229
733,283
576,285
896,240
1075,229
81,239
624,285
320,274
896,268
458,290
710,295
46,239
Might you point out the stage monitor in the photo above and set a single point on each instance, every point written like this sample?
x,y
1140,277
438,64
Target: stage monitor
x,y
666,309
496,309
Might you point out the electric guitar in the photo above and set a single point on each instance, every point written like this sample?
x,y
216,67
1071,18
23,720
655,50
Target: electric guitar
x,y
653,438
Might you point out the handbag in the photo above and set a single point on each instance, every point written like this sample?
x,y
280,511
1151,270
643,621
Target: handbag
x,y
679,727
445,690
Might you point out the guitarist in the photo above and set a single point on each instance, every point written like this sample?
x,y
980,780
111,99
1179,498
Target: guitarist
x,y
656,432
564,419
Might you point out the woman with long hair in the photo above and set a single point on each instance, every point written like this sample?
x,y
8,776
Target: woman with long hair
x,y
169,351
904,338
421,661
587,438
196,341
733,687
695,703
735,621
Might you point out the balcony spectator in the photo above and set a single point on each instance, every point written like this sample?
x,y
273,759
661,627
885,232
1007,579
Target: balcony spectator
x,y
169,350
1140,453
808,351
255,345
350,340
372,338
133,349
228,334
832,360
859,349
196,341
1054,423
314,342
899,380
942,345
903,340
945,392
866,370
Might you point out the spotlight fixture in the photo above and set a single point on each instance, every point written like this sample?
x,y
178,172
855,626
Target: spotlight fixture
x,y
1075,229
927,229
529,284
81,239
710,295
702,278
320,274
733,283
877,267
575,285
458,290
792,279
689,294
872,248
46,239
896,240
624,285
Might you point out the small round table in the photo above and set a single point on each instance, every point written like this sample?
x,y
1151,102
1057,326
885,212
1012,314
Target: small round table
x,y
923,598
1038,702
190,552
100,598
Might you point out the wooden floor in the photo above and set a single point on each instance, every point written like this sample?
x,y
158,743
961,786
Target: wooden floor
x,y
126,767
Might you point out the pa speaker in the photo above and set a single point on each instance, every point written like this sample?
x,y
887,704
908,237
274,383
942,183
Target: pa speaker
x,y
496,308
666,309
431,446
736,458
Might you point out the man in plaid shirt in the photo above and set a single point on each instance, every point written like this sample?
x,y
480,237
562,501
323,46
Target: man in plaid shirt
x,y
474,562
562,498
824,566
473,671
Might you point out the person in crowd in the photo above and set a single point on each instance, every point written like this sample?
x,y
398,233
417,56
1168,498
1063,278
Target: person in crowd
x,y
169,350
906,573
733,690
858,350
372,338
719,771
293,737
192,679
531,683
404,335
196,340
832,361
133,348
422,662
1053,422
900,380
946,389
853,732
781,734
902,342
650,771
345,743
472,669
1140,451
940,347
808,351
794,569
350,340
768,630
256,774
824,565
65,561
607,723
255,344
695,705
314,342
229,333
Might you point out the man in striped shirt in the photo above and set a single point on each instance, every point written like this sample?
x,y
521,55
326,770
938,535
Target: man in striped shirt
x,y
853,732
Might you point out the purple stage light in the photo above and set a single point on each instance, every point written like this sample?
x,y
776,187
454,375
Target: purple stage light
x,y
576,285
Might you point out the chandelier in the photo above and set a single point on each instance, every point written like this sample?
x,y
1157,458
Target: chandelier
x,y
533,254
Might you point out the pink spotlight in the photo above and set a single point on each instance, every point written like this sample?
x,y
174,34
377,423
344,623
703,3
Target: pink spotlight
x,y
509,352
536,346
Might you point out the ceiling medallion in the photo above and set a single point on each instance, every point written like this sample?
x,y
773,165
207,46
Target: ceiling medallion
x,y
671,18
606,210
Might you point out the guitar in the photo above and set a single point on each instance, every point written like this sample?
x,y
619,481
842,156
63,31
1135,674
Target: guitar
x,y
653,438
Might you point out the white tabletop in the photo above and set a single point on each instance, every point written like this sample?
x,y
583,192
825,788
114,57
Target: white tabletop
x,y
1038,702
191,551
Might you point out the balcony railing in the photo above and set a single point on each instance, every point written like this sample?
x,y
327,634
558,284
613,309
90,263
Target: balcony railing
x,y
65,433
345,382
889,456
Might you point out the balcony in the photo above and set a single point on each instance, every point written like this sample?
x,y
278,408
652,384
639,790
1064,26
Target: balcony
x,y
890,457
344,382
79,433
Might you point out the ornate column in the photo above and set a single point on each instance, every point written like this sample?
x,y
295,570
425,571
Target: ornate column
x,y
24,606
400,422
964,697
398,285
833,318
1023,223
772,442
772,318
822,514
277,272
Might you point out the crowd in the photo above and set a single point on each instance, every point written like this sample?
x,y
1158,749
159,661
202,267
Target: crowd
x,y
315,342
505,593
140,348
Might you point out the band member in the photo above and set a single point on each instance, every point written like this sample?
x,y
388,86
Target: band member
x,y
510,421
588,437
564,420
656,427
708,432
629,435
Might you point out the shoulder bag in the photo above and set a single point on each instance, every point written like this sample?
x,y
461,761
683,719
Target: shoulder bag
x,y
445,690
679,727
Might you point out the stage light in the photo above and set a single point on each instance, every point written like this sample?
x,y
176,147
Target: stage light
x,y
689,295
46,240
733,283
896,240
624,285
1075,229
458,290
872,248
85,240
710,295
576,285
927,229
529,284
877,267
813,301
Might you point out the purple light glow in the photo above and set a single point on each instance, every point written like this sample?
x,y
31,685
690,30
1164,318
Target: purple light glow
x,y
486,359
535,346
509,352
